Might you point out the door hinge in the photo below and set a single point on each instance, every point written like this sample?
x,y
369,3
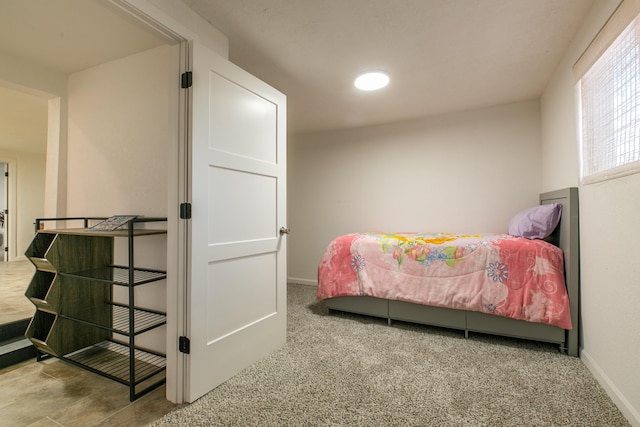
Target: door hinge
x,y
186,80
185,210
184,345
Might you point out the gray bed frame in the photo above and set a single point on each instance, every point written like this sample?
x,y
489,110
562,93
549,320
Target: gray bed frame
x,y
566,236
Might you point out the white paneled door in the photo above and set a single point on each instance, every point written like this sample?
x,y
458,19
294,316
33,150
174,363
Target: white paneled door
x,y
236,303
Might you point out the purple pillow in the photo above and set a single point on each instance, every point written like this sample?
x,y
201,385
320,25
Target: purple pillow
x,y
537,222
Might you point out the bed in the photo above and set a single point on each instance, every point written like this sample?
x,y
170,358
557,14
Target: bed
x,y
526,288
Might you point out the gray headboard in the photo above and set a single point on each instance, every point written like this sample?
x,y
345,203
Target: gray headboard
x,y
567,237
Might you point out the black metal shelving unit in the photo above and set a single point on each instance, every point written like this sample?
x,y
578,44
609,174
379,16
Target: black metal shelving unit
x,y
60,315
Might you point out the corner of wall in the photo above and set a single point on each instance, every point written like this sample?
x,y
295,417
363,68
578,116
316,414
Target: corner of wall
x,y
614,393
179,20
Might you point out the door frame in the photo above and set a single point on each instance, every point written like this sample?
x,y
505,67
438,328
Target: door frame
x,y
178,231
11,235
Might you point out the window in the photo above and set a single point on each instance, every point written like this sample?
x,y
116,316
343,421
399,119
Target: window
x,y
609,100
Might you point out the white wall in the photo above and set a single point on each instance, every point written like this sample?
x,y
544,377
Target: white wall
x,y
462,172
609,230
119,139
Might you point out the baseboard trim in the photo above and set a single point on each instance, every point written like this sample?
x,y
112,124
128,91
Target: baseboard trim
x,y
302,281
614,393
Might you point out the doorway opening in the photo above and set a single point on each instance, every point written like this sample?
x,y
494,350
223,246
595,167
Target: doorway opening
x,y
4,205
23,148
15,272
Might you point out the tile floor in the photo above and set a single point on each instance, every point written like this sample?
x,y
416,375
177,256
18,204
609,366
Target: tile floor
x,y
52,393
14,279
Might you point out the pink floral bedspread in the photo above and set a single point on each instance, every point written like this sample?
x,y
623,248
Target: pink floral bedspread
x,y
497,274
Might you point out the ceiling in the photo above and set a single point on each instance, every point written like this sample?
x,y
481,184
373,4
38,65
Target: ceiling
x,y
442,55
63,36
70,35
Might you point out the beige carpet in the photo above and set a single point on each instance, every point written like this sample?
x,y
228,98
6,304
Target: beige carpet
x,y
349,370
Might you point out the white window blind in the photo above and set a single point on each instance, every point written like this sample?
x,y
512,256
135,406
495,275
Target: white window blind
x,y
609,96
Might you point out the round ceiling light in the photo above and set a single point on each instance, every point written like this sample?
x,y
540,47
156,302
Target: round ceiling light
x,y
372,80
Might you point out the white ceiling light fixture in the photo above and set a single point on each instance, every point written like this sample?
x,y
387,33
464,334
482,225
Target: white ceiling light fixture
x,y
372,80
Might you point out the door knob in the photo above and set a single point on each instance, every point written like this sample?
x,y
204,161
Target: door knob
x,y
284,230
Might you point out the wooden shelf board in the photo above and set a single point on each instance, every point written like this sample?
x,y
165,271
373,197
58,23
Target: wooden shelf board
x,y
115,233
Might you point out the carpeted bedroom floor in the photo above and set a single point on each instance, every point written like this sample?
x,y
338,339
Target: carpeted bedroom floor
x,y
349,370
